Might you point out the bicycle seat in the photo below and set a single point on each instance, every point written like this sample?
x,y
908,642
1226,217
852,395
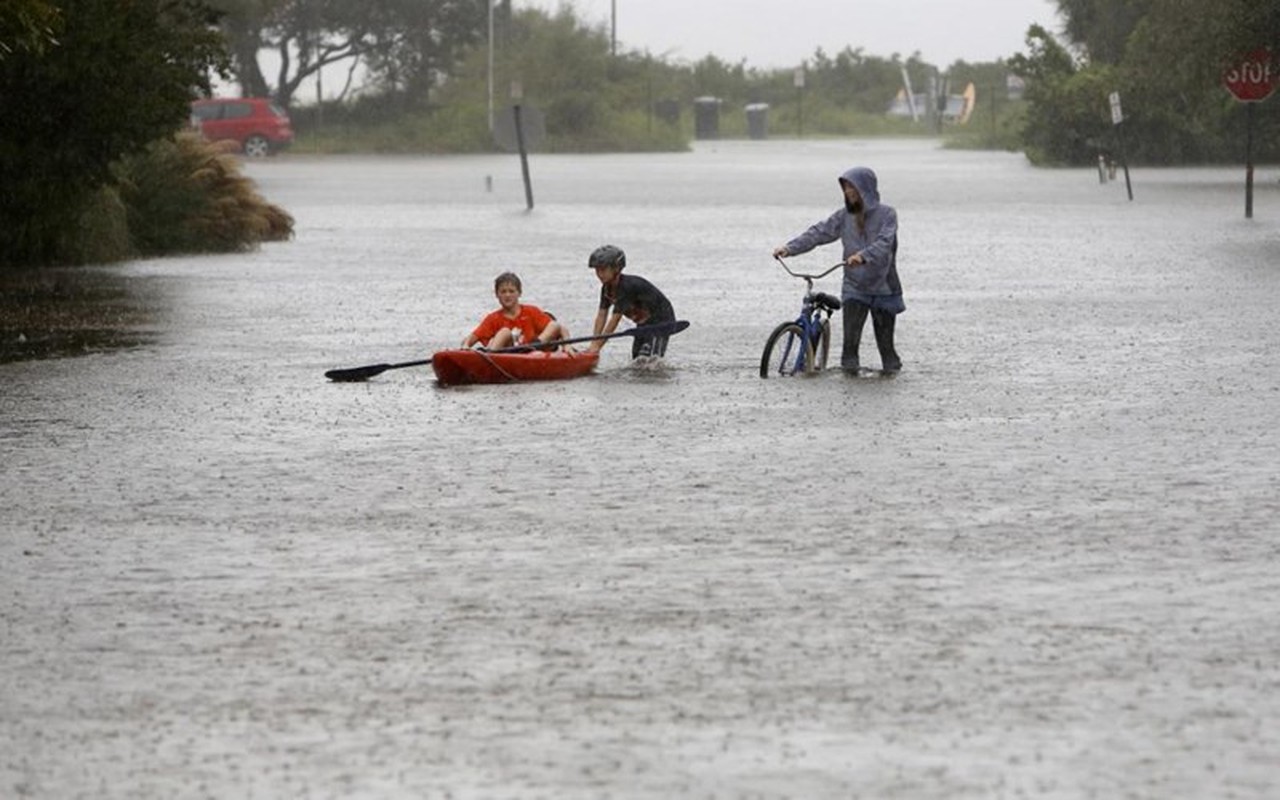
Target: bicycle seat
x,y
826,301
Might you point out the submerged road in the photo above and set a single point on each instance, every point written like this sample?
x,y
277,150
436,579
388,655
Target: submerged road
x,y
1041,562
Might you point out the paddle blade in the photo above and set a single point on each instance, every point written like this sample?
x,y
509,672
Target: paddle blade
x,y
355,374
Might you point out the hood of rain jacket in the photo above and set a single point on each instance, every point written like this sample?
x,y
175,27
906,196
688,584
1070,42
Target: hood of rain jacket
x,y
864,180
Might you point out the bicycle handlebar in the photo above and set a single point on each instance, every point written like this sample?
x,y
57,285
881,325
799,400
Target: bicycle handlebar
x,y
807,277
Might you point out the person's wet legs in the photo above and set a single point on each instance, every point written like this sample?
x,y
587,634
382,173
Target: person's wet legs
x,y
883,323
855,317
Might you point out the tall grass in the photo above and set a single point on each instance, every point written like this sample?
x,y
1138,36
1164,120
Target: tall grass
x,y
180,195
185,196
463,128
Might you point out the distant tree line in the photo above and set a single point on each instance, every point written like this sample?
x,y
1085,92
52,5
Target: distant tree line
x,y
595,98
413,48
1165,57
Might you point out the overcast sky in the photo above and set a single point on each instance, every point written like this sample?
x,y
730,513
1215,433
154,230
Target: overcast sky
x,y
783,33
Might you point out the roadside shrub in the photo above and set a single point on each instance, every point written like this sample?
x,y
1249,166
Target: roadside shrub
x,y
184,196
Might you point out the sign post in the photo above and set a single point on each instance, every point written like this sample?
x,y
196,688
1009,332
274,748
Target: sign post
x,y
799,83
1250,81
1117,117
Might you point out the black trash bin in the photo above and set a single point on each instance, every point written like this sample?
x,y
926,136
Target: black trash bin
x,y
758,120
706,117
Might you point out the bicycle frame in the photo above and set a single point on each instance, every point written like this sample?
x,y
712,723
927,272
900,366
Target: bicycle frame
x,y
812,325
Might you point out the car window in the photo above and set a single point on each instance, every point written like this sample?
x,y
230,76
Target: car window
x,y
237,110
206,112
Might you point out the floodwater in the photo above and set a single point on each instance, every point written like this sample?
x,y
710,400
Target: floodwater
x,y
1041,562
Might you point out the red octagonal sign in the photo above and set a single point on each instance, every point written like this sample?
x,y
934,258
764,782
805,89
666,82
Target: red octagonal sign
x,y
1251,78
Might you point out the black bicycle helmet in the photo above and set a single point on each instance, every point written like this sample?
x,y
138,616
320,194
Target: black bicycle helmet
x,y
607,255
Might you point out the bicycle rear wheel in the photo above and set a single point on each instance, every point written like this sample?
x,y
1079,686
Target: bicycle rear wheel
x,y
787,352
822,348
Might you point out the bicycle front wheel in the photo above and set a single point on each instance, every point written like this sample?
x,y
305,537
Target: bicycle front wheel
x,y
787,352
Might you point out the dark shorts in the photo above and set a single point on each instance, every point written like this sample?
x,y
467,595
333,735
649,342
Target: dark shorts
x,y
890,303
649,346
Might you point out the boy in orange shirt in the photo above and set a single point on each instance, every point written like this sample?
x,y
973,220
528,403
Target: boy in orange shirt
x,y
515,323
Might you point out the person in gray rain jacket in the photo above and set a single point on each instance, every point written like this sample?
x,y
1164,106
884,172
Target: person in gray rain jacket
x,y
868,231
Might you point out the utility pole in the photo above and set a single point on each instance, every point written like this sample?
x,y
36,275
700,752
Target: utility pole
x,y
613,28
798,80
490,2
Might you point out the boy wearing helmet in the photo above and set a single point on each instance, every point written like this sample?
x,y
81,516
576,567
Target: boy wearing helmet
x,y
629,296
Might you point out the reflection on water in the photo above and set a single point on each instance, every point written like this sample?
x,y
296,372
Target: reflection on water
x,y
72,311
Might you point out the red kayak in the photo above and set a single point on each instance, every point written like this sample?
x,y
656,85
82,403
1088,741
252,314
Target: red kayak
x,y
457,367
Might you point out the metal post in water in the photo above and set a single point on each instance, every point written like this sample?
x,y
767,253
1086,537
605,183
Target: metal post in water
x,y
1248,162
524,159
1117,121
489,56
1124,161
799,113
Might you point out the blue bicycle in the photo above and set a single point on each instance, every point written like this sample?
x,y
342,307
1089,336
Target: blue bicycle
x,y
801,347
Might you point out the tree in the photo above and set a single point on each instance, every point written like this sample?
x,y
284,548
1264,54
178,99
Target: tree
x,y
26,26
1101,28
405,46
715,78
1190,41
1048,70
115,75
561,64
242,23
592,99
1166,58
857,81
414,45
1174,62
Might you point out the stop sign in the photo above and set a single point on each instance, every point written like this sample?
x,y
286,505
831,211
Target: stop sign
x,y
1250,79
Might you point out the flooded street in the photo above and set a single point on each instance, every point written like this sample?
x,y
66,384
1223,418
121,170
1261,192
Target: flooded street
x,y
1041,562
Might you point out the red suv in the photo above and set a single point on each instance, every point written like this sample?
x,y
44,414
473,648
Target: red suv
x,y
256,124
